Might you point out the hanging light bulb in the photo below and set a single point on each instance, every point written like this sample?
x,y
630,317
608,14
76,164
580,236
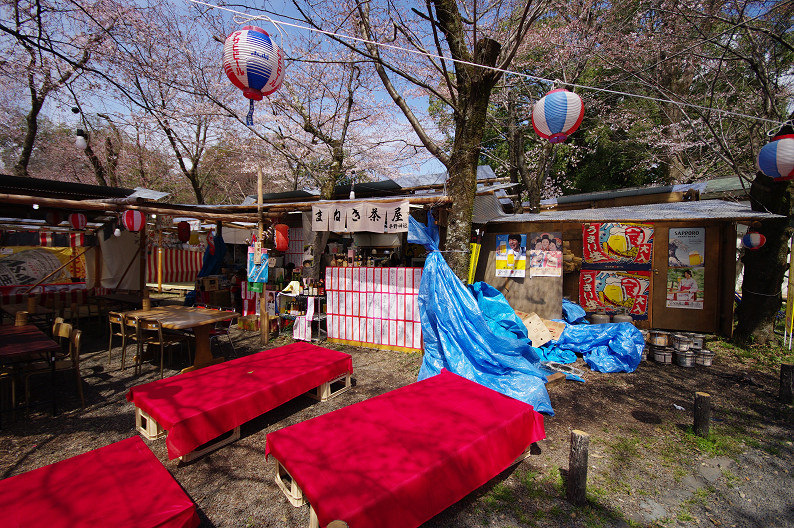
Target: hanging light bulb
x,y
353,185
80,141
117,232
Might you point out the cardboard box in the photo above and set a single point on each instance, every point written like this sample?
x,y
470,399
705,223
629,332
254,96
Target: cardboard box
x,y
208,284
540,331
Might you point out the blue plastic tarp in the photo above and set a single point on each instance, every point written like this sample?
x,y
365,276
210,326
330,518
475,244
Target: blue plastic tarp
x,y
573,313
460,336
614,347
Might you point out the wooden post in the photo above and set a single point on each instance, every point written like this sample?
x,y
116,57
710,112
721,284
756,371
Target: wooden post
x,y
264,318
702,414
577,468
142,257
786,382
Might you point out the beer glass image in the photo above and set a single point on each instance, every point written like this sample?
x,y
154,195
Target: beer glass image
x,y
511,260
613,291
695,259
617,240
502,247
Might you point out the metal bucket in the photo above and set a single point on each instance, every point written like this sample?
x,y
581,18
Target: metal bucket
x,y
659,338
704,357
662,354
682,342
685,358
697,341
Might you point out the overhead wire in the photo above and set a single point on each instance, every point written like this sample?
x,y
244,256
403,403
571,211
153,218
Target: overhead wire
x,y
242,17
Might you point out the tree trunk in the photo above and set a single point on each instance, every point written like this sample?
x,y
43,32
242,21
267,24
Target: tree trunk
x,y
32,121
764,268
465,155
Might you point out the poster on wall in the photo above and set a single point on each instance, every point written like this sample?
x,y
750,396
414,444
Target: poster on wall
x,y
545,254
613,290
686,268
29,265
608,245
511,255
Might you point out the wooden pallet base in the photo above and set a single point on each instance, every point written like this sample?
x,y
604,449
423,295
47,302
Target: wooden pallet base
x,y
288,485
332,388
147,426
212,445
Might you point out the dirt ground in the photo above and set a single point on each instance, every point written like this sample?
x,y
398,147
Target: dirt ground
x,y
646,468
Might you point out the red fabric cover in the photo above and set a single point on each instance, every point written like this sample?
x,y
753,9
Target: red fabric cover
x,y
198,406
120,485
396,460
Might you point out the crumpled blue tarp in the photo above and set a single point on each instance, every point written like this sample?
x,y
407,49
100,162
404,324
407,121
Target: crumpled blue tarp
x,y
458,335
573,313
613,347
501,318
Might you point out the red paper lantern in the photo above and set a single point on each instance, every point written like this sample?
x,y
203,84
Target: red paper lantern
x,y
53,217
133,220
78,220
282,237
183,231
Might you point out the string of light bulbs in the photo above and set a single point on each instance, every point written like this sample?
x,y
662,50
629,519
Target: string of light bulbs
x,y
242,17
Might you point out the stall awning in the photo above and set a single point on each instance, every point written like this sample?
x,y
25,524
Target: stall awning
x,y
687,211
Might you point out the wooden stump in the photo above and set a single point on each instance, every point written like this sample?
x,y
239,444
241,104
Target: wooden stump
x,y
577,468
786,382
702,414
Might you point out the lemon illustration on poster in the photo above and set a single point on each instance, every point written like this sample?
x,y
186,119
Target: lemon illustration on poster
x,y
686,268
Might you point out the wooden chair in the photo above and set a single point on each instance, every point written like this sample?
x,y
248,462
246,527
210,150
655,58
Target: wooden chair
x,y
131,331
69,359
118,327
150,333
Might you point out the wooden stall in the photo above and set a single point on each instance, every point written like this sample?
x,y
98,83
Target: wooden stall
x,y
687,269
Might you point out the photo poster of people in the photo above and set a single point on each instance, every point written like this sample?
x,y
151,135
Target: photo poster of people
x,y
545,254
686,267
511,255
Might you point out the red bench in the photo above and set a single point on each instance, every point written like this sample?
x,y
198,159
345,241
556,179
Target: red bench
x,y
199,406
122,484
398,459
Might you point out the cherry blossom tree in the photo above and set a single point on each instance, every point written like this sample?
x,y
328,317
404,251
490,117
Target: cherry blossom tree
x,y
46,44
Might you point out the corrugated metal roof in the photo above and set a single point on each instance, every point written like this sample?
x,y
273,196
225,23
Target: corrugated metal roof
x,y
487,208
696,210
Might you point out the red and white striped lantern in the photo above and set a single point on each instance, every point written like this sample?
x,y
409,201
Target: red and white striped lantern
x,y
78,220
133,220
53,217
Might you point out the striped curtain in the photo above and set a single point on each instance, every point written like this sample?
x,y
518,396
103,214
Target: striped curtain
x,y
179,265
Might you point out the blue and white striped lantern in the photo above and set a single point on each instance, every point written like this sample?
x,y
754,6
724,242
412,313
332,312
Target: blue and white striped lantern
x,y
557,115
776,158
254,64
753,240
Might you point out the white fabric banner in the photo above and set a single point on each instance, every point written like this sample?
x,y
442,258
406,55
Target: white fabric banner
x,y
373,219
397,218
355,217
320,216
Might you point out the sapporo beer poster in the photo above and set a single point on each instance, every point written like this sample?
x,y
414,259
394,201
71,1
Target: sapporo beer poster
x,y
611,245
